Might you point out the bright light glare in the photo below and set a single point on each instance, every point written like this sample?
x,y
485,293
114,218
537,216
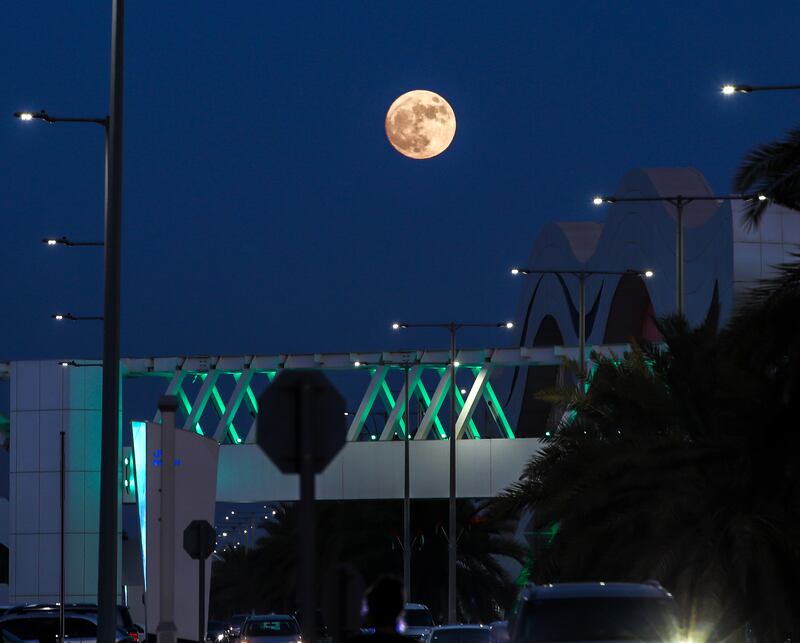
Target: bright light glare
x,y
598,200
356,363
224,534
395,326
463,391
648,273
274,512
58,317
26,116
509,324
64,364
51,242
762,197
456,364
515,271
728,89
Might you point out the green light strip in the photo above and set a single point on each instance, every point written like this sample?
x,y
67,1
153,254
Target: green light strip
x,y
460,407
187,409
217,399
388,399
423,392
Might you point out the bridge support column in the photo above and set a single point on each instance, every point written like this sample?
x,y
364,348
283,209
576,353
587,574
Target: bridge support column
x,y
45,399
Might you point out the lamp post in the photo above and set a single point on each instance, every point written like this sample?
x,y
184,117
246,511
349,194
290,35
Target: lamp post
x,y
582,276
748,89
680,202
452,536
109,441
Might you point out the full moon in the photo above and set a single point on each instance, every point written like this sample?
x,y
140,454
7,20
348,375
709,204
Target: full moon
x,y
420,124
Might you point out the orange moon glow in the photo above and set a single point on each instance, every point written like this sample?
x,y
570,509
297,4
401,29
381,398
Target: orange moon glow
x,y
420,124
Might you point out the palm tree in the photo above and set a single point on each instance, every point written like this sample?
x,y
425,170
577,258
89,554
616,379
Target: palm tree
x,y
772,169
368,536
681,463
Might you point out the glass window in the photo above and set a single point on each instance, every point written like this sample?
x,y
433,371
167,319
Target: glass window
x,y
598,619
79,628
270,627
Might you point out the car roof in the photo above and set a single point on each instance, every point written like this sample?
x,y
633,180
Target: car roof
x,y
462,626
595,590
416,606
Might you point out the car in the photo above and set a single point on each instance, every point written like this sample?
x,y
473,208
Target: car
x,y
271,628
417,621
597,611
124,620
216,631
235,625
499,632
460,634
43,625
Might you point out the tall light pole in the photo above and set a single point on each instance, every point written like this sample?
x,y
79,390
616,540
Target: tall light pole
x,y
582,276
406,491
452,535
109,440
680,202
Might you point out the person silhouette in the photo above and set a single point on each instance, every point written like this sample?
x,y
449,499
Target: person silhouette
x,y
384,603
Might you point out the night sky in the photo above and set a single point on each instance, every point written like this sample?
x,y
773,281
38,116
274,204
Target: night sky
x,y
264,209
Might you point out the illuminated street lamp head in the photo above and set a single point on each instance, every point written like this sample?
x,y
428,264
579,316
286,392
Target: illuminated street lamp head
x,y
51,242
648,273
736,89
598,200
515,271
41,115
508,324
356,363
457,364
65,364
60,316
762,197
396,326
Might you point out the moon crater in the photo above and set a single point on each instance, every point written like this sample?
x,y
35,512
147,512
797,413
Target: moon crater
x,y
420,124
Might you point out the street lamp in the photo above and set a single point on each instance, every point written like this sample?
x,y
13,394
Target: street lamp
x,y
680,202
731,88
71,317
582,276
64,241
110,425
452,538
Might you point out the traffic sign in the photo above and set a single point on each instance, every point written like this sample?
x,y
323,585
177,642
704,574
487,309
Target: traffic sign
x,y
199,539
295,397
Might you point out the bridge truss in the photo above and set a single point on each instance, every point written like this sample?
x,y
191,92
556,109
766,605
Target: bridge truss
x,y
218,394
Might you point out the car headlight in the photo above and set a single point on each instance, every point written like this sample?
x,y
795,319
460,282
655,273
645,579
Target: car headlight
x,y
220,637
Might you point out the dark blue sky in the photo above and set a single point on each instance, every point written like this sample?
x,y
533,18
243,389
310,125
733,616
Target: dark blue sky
x,y
266,212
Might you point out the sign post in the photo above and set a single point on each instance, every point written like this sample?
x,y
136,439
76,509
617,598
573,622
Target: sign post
x,y
198,541
301,428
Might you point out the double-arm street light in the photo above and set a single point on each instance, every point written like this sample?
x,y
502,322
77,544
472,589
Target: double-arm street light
x,y
582,276
109,441
452,537
748,89
680,202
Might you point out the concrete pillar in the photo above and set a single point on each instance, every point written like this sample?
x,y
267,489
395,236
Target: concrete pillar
x,y
45,399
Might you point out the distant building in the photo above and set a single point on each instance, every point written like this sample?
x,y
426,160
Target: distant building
x,y
722,258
